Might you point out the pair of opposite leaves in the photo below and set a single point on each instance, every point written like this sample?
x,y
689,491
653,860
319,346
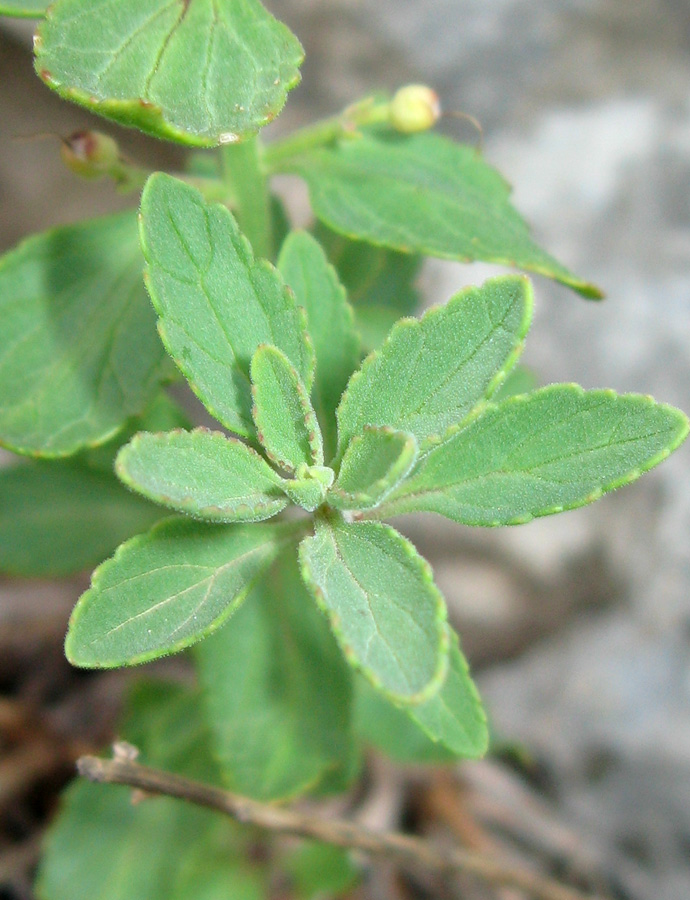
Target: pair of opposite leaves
x,y
414,432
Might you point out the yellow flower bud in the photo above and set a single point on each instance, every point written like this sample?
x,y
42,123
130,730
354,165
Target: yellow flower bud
x,y
414,108
90,154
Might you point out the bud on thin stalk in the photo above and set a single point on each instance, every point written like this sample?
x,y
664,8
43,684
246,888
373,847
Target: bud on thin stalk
x,y
414,108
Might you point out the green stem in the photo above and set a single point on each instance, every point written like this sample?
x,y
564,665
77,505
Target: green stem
x,y
279,155
245,176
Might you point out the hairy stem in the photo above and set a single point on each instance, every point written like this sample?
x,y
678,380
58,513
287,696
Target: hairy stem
x,y
367,112
411,852
245,176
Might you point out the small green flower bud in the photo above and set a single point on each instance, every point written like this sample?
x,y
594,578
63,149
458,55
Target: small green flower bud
x,y
90,154
414,108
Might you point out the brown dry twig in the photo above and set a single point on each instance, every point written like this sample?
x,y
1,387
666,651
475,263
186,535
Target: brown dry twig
x,y
410,852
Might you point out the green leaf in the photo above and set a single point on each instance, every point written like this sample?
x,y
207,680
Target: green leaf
x,y
58,517
321,870
431,373
215,301
385,726
79,353
374,463
424,194
284,417
318,290
277,689
164,590
451,725
541,453
200,72
384,608
24,9
309,490
103,845
454,716
380,283
203,473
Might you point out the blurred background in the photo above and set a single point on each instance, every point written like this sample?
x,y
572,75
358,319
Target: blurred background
x,y
578,626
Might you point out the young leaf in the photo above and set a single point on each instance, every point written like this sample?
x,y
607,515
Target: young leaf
x,y
202,473
284,417
380,283
164,590
24,9
374,463
103,845
215,301
421,193
59,517
315,283
310,488
540,453
277,690
201,72
384,608
79,353
431,373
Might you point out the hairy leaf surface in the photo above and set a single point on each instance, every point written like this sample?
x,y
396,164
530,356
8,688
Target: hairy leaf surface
x,y
432,372
164,590
384,608
201,72
374,463
424,194
103,845
59,517
216,302
540,453
202,473
79,353
284,417
318,290
277,690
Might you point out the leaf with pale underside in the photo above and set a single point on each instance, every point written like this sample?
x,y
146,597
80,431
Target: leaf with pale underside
x,y
24,9
305,268
541,453
79,353
216,302
165,590
277,690
284,417
432,372
200,72
102,845
58,517
203,473
380,283
423,194
374,463
384,608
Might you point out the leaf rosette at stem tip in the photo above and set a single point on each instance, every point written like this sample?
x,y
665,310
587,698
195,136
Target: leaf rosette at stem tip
x,y
198,72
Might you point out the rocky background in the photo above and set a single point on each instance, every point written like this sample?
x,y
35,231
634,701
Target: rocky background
x,y
579,625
